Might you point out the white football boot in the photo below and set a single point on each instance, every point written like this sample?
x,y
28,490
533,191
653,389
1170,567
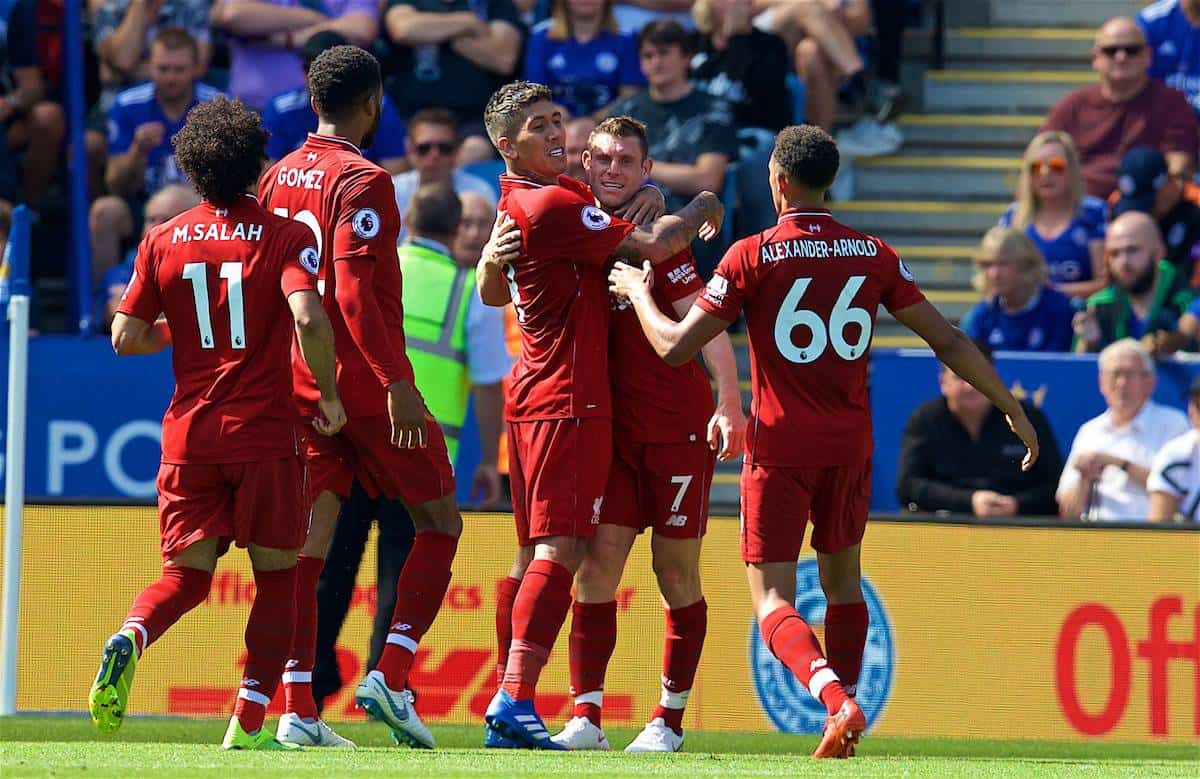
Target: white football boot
x,y
293,730
656,737
395,708
581,734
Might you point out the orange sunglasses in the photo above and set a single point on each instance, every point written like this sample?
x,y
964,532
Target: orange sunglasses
x,y
1054,164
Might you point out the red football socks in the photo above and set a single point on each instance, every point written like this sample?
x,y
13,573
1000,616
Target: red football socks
x,y
506,596
845,639
297,676
160,605
686,628
538,614
268,640
592,641
790,639
419,592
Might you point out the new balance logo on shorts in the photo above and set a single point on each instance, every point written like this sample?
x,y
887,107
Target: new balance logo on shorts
x,y
677,520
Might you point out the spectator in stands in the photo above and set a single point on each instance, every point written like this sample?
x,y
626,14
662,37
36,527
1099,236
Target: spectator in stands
x,y
886,96
692,134
740,64
122,31
1174,482
821,34
33,127
957,454
289,117
1019,310
1065,223
432,145
578,132
268,36
453,54
165,204
1109,462
1187,332
579,53
1145,297
1172,30
1126,109
141,160
1144,184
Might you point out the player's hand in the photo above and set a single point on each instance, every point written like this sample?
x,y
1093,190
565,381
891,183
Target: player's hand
x,y
1021,425
628,281
727,430
406,410
485,486
504,245
332,417
644,207
716,216
148,136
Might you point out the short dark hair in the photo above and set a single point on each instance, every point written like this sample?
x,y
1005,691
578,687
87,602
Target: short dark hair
x,y
221,148
666,32
443,117
174,39
435,210
341,77
623,127
503,110
808,155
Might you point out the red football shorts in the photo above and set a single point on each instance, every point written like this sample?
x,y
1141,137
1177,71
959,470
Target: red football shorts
x,y
660,486
777,503
259,503
363,450
558,468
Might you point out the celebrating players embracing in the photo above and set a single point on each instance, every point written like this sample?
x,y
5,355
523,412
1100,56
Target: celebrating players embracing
x,y
558,402
809,288
392,445
225,274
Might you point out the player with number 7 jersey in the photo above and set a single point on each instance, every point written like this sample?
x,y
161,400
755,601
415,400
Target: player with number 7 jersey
x,y
809,288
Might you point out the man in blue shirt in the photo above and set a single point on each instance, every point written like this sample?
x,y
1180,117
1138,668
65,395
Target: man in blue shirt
x,y
141,124
289,117
1172,30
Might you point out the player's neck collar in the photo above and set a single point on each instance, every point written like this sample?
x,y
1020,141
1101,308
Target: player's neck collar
x,y
520,181
334,139
805,213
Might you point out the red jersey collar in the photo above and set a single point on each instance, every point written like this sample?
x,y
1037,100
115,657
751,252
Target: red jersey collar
x,y
804,213
509,181
333,141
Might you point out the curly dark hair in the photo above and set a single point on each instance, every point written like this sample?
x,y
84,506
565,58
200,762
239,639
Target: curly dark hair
x,y
221,148
342,76
808,155
623,127
503,111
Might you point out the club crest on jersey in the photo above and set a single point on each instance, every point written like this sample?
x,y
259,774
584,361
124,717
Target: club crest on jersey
x,y
904,271
594,219
310,260
366,223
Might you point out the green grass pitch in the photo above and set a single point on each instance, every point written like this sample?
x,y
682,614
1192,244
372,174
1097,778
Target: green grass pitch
x,y
69,747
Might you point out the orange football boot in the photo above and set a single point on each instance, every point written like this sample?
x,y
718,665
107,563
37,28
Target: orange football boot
x,y
842,731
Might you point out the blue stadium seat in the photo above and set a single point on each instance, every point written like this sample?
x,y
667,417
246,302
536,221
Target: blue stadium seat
x,y
488,170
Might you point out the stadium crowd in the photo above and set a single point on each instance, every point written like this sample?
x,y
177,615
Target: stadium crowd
x,y
1097,253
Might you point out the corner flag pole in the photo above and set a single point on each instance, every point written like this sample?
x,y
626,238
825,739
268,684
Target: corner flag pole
x,y
16,262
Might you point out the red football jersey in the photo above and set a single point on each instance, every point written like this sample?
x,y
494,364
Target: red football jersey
x,y
810,288
222,277
653,402
350,205
560,291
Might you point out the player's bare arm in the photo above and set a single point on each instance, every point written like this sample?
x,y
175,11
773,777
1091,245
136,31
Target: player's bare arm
x,y
672,233
644,207
131,335
727,427
675,342
956,351
502,248
314,334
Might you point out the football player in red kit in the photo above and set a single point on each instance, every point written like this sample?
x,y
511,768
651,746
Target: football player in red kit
x,y
665,437
226,275
558,403
391,445
809,288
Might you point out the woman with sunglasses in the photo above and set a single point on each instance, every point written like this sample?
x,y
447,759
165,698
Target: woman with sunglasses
x,y
1064,223
579,53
